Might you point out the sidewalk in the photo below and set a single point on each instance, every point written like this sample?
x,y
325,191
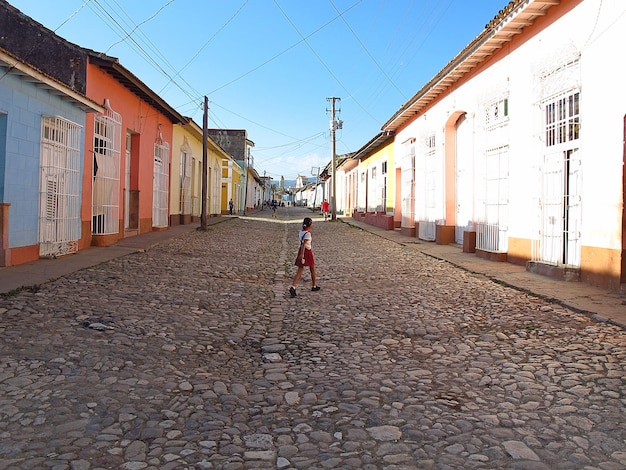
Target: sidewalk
x,y
600,304
45,270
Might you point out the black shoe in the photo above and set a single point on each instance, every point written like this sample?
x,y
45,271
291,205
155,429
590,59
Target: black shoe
x,y
292,292
315,288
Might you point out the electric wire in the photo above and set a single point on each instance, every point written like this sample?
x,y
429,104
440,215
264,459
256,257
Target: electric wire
x,y
328,69
284,51
369,54
132,34
113,23
136,27
217,32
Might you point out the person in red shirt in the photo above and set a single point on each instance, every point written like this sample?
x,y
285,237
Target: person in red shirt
x,y
325,208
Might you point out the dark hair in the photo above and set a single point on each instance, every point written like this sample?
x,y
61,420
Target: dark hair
x,y
306,223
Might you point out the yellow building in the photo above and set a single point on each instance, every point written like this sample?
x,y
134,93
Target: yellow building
x,y
186,175
231,184
376,188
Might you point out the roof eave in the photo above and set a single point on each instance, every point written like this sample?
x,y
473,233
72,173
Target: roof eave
x,y
31,74
374,144
136,86
509,22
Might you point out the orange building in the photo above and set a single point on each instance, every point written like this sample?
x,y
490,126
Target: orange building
x,y
127,156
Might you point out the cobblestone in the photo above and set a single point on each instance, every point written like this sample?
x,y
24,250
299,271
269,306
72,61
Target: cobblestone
x,y
192,355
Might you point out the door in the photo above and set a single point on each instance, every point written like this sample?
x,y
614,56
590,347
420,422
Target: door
x,y
560,206
160,187
59,187
127,164
408,187
464,188
428,190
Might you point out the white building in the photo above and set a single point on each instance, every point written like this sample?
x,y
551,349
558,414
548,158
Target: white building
x,y
518,142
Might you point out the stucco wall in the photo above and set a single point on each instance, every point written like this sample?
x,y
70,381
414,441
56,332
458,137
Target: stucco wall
x,y
139,118
23,105
574,29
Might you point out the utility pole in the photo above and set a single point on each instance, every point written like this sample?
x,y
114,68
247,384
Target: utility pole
x,y
334,125
205,136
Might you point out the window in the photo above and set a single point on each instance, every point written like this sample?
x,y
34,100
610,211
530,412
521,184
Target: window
x,y
160,187
562,119
383,168
185,179
430,143
106,173
497,112
59,187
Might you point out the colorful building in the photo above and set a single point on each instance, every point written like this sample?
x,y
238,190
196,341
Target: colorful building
x,y
515,149
376,195
232,175
236,144
127,185
42,137
187,175
125,182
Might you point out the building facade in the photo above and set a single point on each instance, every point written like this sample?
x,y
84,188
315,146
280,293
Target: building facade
x,y
512,151
42,137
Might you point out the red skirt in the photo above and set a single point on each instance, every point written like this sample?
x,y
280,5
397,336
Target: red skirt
x,y
309,260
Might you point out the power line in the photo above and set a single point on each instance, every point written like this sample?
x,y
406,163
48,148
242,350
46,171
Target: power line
x,y
136,27
302,39
331,73
113,23
366,50
219,30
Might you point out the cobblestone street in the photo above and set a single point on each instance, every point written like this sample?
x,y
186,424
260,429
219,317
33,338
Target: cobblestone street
x,y
192,355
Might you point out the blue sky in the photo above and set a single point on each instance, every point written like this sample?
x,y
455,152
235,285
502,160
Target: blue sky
x,y
268,66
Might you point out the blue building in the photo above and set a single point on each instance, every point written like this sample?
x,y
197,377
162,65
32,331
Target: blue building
x,y
41,162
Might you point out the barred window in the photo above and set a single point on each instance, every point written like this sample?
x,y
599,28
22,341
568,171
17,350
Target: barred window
x,y
562,119
106,173
497,112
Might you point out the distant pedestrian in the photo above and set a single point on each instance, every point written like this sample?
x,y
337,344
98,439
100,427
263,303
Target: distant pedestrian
x,y
274,208
325,209
305,257
231,205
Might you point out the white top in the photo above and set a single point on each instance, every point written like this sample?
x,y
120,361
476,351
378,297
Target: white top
x,y
305,236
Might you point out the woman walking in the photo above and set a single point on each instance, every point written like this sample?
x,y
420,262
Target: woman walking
x,y
305,257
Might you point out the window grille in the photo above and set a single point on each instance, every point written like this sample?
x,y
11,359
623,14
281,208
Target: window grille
x,y
560,202
408,185
383,187
562,119
496,113
185,180
106,173
558,239
160,193
59,187
492,180
427,189
493,201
